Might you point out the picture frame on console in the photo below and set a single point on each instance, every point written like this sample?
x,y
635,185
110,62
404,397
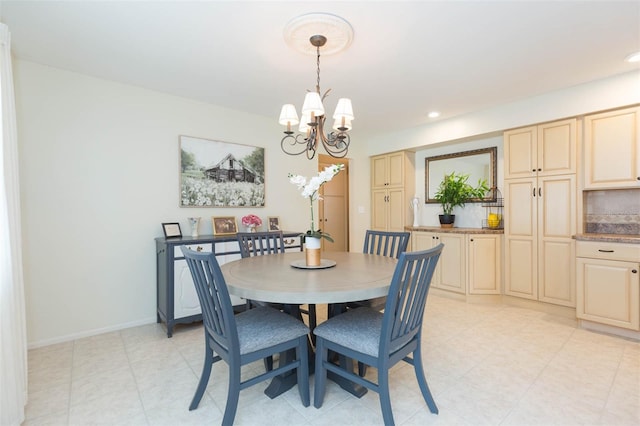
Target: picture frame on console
x,y
274,223
224,225
171,230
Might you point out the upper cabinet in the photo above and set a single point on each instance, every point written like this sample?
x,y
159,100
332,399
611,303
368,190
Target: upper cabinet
x,y
612,149
389,170
544,150
392,188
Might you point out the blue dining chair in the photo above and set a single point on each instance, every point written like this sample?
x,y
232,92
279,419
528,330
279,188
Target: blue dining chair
x,y
378,339
244,338
382,243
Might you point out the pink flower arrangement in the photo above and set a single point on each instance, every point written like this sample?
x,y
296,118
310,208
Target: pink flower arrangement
x,y
251,220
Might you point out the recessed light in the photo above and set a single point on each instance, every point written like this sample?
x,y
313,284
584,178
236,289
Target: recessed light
x,y
634,57
434,114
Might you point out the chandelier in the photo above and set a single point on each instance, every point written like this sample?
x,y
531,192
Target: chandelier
x,y
312,125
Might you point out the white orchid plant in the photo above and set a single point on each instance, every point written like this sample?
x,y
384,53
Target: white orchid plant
x,y
310,190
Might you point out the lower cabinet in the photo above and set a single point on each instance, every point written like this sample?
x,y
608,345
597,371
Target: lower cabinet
x,y
469,264
177,301
608,278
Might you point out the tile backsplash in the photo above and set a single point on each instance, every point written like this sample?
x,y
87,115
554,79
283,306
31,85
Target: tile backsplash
x,y
612,211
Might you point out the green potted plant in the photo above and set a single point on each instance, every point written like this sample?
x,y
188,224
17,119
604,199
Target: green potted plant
x,y
455,191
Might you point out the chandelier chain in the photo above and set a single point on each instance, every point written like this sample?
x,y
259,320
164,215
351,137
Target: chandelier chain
x,y
318,69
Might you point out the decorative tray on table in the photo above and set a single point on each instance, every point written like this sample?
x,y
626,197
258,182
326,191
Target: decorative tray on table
x,y
324,264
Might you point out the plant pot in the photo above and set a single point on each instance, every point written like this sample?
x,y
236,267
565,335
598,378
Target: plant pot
x,y
312,251
446,220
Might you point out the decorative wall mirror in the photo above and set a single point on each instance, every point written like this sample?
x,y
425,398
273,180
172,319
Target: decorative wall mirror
x,y
478,164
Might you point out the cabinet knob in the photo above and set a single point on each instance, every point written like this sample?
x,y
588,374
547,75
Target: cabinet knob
x,y
533,170
638,178
634,271
539,170
471,240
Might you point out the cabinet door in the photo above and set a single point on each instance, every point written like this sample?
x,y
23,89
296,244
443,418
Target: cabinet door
x,y
396,169
520,152
608,292
452,263
425,241
185,298
396,210
557,146
379,211
379,172
521,230
484,263
556,247
612,149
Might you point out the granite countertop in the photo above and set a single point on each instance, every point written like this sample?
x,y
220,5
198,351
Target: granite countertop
x,y
454,230
609,238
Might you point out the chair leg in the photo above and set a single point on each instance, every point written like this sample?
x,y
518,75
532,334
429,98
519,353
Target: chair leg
x,y
204,378
422,381
385,399
233,395
320,373
313,322
362,369
268,363
302,354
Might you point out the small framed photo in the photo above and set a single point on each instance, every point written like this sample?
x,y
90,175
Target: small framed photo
x,y
224,225
172,230
274,223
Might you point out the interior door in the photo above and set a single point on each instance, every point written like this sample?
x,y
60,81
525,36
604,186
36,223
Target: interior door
x,y
334,206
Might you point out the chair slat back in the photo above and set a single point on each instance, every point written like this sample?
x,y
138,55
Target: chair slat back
x,y
260,243
217,311
384,243
404,310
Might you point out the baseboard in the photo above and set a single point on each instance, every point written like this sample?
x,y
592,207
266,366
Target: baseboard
x,y
562,311
89,333
609,329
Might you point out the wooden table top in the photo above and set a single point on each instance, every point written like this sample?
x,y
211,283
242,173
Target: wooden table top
x,y
271,278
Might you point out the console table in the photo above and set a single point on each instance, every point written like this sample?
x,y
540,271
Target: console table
x,y
176,297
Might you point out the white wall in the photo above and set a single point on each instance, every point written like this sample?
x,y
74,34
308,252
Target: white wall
x,y
472,214
99,174
600,95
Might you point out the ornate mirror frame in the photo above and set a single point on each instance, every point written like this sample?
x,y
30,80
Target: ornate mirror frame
x,y
478,163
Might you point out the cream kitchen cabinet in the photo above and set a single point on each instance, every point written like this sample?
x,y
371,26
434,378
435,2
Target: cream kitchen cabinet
x,y
392,188
484,263
612,149
470,262
608,278
544,150
540,221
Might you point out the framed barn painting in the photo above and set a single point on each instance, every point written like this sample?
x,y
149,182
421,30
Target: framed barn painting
x,y
220,174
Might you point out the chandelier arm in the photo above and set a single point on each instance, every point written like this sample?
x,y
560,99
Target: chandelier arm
x,y
294,145
337,145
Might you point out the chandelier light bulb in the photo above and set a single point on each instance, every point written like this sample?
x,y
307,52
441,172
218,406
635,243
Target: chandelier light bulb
x,y
344,109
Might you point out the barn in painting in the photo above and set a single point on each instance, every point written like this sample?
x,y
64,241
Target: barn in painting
x,y
231,170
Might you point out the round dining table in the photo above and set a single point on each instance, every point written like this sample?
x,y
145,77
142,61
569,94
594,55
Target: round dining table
x,y
284,278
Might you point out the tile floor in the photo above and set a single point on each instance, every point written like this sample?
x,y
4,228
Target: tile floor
x,y
486,364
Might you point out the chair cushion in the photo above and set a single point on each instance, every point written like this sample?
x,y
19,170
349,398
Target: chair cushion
x,y
358,329
262,327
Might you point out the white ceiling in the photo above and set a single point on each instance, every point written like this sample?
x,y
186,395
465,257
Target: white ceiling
x,y
406,59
